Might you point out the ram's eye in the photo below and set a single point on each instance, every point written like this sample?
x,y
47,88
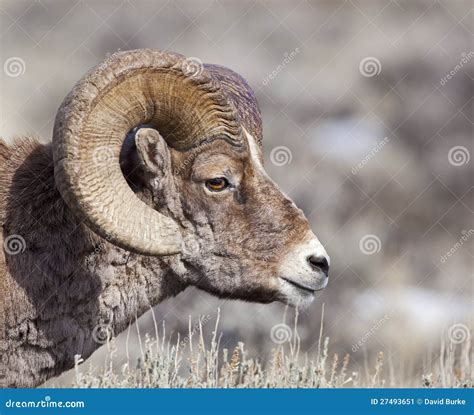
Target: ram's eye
x,y
218,184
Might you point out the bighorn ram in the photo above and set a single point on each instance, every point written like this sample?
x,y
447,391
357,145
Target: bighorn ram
x,y
98,228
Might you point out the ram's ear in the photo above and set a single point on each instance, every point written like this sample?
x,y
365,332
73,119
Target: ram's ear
x,y
152,151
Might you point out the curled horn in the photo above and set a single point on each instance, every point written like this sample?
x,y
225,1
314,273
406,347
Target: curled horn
x,y
126,90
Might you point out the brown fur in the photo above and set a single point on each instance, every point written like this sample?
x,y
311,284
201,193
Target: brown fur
x,y
68,282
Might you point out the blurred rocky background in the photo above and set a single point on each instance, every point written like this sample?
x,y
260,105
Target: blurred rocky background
x,y
368,111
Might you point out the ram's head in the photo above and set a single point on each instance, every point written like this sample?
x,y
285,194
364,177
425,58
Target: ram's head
x,y
191,184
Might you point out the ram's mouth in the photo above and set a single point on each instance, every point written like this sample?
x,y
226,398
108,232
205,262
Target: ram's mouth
x,y
300,286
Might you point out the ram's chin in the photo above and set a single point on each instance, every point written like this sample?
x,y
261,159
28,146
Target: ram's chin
x,y
295,296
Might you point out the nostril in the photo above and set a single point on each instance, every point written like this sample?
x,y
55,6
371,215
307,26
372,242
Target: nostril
x,y
319,262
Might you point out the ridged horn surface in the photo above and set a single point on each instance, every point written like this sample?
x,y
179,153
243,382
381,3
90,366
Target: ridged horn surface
x,y
126,90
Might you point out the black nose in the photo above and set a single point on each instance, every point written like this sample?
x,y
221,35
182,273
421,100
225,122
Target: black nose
x,y
319,263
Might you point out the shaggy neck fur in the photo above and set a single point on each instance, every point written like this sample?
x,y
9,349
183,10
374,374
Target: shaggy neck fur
x,y
67,289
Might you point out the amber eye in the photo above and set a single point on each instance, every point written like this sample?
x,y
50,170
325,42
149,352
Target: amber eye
x,y
218,184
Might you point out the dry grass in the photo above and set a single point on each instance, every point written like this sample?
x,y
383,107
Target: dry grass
x,y
197,362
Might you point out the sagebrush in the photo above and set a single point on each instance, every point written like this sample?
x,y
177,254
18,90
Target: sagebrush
x,y
197,362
